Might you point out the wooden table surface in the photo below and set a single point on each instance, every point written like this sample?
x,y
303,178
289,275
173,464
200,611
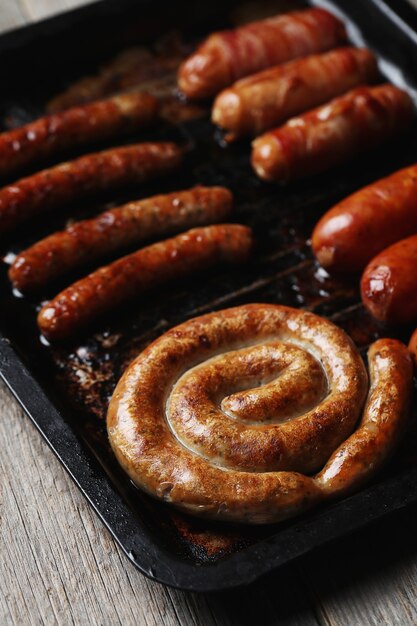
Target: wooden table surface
x,y
59,565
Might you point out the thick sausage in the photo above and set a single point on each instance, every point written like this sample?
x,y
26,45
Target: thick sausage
x,y
389,283
137,273
349,235
412,346
264,100
384,417
226,56
361,119
80,125
89,174
131,223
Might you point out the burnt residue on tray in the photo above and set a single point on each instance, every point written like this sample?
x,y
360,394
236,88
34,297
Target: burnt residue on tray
x,y
81,376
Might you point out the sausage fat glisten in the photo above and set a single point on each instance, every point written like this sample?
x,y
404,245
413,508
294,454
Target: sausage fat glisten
x,y
76,126
389,283
254,104
257,413
231,54
355,230
316,141
140,272
112,230
93,173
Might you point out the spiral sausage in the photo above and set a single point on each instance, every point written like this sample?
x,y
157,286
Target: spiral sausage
x,y
227,415
314,142
254,104
389,283
131,223
76,126
228,55
355,230
137,273
84,176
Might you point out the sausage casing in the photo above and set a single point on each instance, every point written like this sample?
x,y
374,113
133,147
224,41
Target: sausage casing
x,y
349,235
76,126
389,283
264,100
137,273
314,142
226,56
131,223
84,176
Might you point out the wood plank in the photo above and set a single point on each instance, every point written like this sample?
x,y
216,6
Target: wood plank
x,y
12,14
59,565
39,9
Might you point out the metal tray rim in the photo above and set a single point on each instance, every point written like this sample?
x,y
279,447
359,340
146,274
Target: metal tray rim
x,y
241,568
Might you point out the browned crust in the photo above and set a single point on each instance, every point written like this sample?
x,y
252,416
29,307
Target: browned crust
x,y
137,273
165,411
112,230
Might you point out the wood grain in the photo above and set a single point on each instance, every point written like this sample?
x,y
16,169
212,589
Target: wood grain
x,y
59,565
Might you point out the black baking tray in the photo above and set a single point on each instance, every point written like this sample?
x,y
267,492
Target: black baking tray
x,y
65,389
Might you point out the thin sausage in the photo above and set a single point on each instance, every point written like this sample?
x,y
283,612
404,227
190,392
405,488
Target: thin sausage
x,y
226,56
84,176
131,223
76,126
389,283
349,235
264,100
314,142
137,273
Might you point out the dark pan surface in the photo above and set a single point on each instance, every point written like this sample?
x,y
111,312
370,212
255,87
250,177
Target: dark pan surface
x,y
66,389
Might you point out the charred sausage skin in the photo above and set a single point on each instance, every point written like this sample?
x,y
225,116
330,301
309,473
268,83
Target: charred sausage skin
x,y
114,284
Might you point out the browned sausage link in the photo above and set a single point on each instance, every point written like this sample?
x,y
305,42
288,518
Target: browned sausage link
x,y
261,101
87,175
77,126
114,284
228,55
412,346
131,223
389,283
314,142
351,233
363,453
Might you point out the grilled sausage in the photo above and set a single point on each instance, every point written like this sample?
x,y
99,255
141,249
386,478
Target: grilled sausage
x,y
137,273
86,175
254,104
349,235
229,415
226,56
311,143
389,283
131,223
412,346
80,125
